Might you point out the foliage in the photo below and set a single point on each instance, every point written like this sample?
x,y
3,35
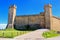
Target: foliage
x,y
50,34
11,33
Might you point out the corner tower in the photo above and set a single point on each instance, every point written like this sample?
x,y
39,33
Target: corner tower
x,y
11,16
48,16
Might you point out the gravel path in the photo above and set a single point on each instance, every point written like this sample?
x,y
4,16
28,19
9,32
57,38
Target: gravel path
x,y
54,38
35,35
6,39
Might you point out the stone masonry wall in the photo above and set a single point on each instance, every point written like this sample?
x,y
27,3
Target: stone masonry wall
x,y
33,19
55,24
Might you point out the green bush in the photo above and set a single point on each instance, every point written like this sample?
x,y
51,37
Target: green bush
x,y
11,33
50,34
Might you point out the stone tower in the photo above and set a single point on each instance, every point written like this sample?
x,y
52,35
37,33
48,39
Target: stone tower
x,y
11,16
48,16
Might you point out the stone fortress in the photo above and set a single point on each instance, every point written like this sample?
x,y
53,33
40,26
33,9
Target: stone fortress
x,y
43,20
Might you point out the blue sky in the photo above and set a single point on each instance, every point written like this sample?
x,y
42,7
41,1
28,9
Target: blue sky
x,y
27,7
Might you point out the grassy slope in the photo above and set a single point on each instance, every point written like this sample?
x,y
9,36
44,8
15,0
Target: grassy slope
x,y
10,33
50,34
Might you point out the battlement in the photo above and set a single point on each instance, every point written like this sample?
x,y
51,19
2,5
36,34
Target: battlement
x,y
48,5
13,6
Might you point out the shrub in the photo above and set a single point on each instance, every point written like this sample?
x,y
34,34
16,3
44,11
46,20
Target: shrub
x,y
50,34
10,33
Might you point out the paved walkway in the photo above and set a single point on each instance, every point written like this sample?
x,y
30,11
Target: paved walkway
x,y
6,39
35,35
54,38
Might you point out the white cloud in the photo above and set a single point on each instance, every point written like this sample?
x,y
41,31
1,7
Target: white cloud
x,y
3,26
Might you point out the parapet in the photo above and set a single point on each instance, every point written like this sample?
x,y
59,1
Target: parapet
x,y
13,6
48,5
42,13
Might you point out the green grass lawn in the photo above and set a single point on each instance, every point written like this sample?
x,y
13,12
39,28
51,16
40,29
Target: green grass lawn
x,y
50,34
11,33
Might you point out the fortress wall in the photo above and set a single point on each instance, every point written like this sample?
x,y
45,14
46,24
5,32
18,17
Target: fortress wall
x,y
34,19
24,20
21,20
42,21
56,24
